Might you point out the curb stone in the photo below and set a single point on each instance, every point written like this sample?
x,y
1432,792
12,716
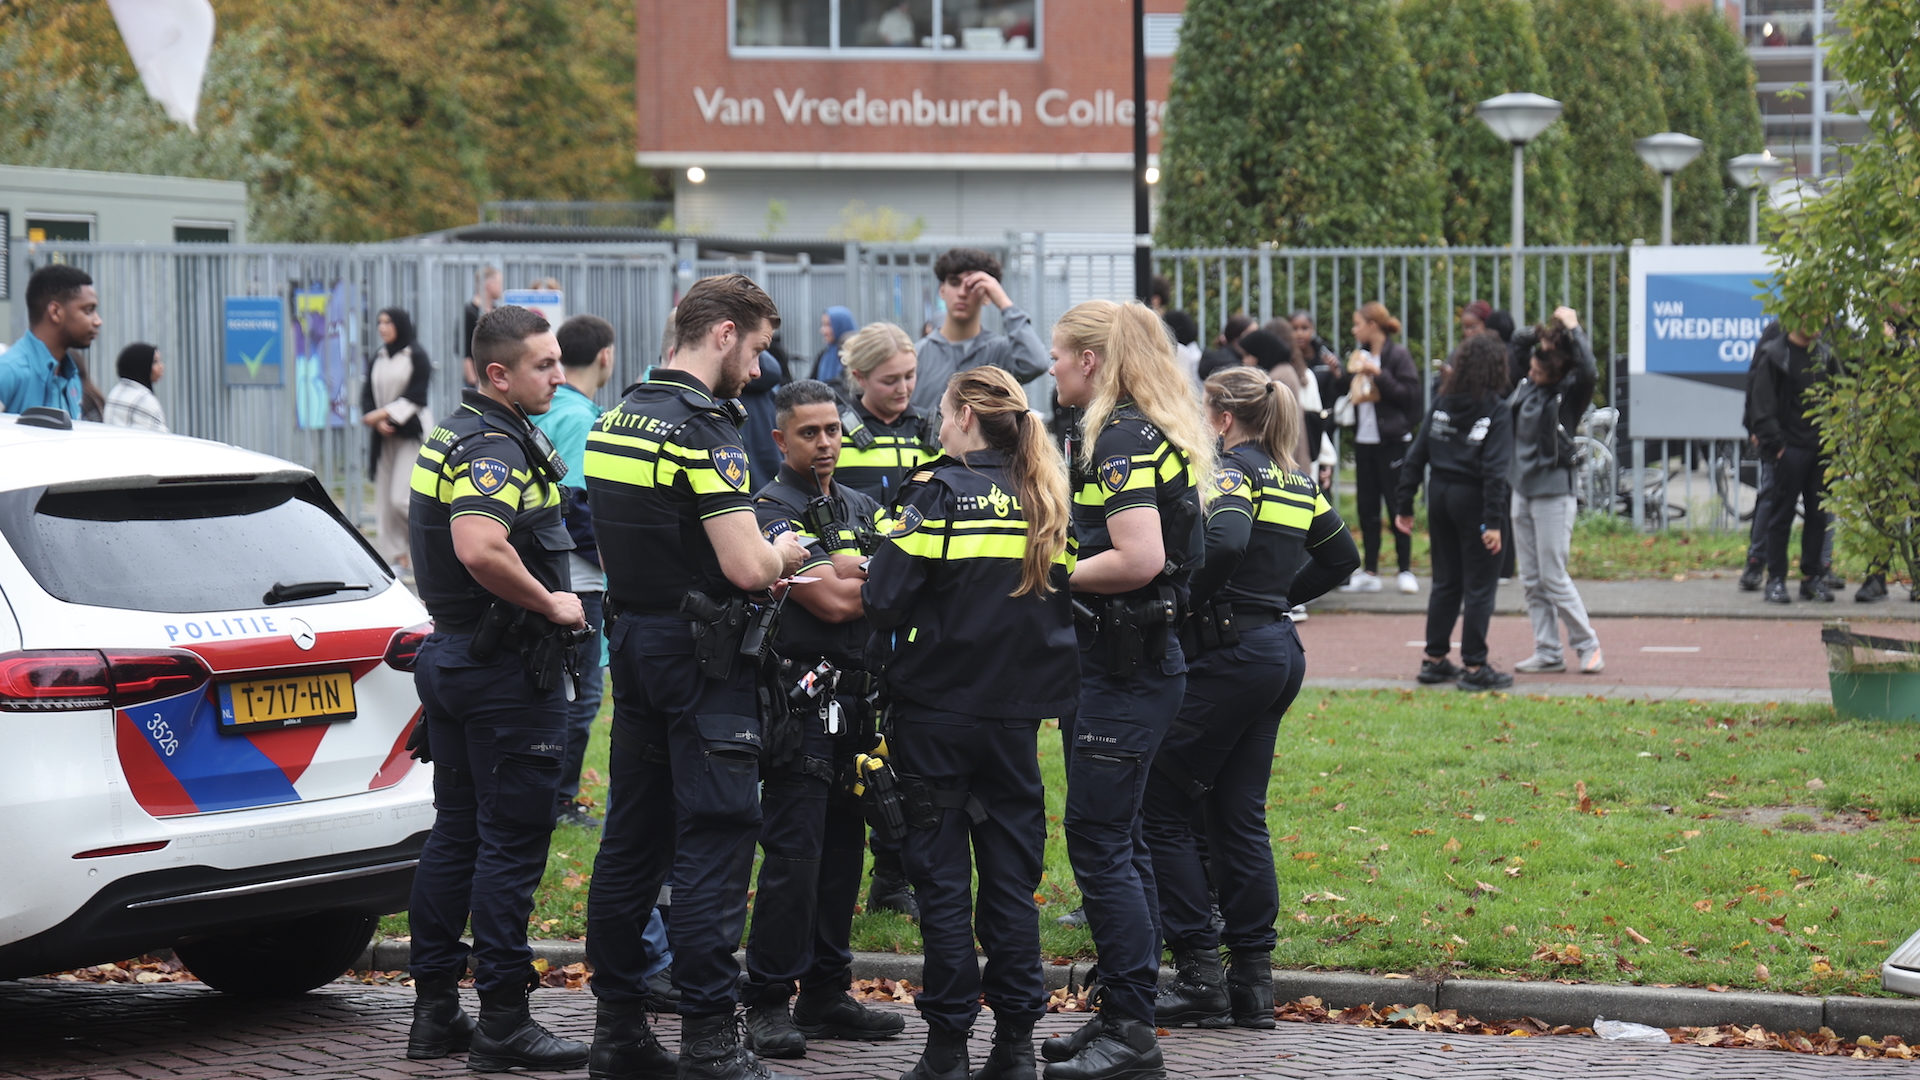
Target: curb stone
x,y
1578,1004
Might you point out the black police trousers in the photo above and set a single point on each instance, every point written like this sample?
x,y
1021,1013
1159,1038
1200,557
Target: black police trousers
x,y
1109,749
996,760
497,743
812,843
684,797
1223,740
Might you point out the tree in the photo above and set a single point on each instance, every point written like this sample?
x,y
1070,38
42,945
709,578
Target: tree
x,y
1600,69
1468,51
1298,122
1686,94
1737,126
1851,256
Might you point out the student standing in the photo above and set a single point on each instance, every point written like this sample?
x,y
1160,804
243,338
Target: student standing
x,y
393,403
969,280
1385,416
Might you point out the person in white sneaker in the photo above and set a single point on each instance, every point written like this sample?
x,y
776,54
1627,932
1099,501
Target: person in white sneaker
x,y
1387,409
1546,407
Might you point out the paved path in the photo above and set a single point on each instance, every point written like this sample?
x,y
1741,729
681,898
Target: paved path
x,y
59,1031
1723,659
1699,596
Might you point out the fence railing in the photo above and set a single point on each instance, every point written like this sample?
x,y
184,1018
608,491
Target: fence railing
x,y
172,296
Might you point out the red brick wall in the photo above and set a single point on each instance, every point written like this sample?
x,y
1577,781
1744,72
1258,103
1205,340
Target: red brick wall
x,y
1087,53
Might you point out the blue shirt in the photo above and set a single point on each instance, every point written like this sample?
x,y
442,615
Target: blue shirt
x,y
29,377
567,423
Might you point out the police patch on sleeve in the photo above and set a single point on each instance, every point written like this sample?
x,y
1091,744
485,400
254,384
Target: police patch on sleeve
x,y
1229,481
731,463
489,474
909,520
1115,470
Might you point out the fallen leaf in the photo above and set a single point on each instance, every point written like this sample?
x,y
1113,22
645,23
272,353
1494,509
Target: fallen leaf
x,y
1638,936
1703,905
1580,793
1452,845
1761,973
1816,784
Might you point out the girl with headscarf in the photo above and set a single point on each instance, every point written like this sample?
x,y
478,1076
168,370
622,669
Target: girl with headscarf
x,y
836,325
131,402
393,399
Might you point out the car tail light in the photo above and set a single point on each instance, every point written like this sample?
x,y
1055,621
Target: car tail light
x,y
65,680
54,680
404,649
149,676
123,849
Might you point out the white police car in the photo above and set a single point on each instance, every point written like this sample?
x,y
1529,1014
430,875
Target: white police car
x,y
204,711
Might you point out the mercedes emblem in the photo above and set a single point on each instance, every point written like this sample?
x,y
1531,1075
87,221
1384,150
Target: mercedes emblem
x,y
303,634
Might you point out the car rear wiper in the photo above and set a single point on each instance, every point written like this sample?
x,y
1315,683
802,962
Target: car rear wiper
x,y
284,591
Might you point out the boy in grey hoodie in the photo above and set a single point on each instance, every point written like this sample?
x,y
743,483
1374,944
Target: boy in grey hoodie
x,y
969,279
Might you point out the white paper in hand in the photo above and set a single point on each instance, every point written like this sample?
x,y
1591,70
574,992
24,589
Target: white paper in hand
x,y
169,41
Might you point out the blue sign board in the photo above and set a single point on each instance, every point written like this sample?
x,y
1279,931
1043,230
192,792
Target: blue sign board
x,y
1703,324
256,340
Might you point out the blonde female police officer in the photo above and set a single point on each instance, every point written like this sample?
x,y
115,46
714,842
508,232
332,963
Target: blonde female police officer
x,y
1144,463
885,436
969,593
1272,542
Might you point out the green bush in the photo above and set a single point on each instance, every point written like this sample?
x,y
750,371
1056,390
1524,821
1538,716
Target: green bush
x,y
1602,72
1735,128
1298,122
1468,51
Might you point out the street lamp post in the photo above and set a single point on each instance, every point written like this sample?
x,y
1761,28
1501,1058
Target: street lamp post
x,y
1667,153
1519,119
1753,172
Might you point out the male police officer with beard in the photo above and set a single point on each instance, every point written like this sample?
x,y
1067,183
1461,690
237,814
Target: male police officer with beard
x,y
489,551
687,574
812,830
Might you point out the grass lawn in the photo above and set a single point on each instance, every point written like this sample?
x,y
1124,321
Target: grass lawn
x,y
1717,845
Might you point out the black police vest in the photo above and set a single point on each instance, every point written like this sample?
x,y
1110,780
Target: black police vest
x,y
803,636
1141,447
875,458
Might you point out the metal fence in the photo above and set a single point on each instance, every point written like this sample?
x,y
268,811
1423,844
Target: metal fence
x,y
172,296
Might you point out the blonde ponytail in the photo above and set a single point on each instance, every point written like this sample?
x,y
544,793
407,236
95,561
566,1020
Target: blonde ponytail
x,y
1039,476
1137,364
1262,406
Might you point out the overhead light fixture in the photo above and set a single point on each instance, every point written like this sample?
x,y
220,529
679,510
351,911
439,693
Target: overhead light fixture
x,y
1766,30
1153,174
696,175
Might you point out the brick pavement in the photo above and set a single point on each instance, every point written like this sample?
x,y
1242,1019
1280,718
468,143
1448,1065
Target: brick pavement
x,y
346,1031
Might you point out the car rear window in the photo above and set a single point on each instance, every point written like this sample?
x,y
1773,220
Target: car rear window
x,y
188,547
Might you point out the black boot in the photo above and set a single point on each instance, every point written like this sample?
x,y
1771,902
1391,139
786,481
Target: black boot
x,y
833,1014
770,1030
508,1038
1250,987
945,1057
440,1025
890,892
1126,1049
1872,590
624,1047
1198,994
1012,1054
710,1050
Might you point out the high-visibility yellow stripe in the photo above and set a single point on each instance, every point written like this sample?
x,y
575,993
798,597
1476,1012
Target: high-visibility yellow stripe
x,y
1287,515
618,468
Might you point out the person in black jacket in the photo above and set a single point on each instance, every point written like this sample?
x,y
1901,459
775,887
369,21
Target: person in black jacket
x,y
1468,439
1381,434
1785,371
1755,574
393,404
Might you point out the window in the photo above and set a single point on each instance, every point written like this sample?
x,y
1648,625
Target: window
x,y
203,232
187,547
69,227
959,29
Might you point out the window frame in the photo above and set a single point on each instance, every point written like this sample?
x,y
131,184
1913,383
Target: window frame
x,y
207,224
91,221
835,51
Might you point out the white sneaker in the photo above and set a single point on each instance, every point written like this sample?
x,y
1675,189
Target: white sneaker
x,y
1408,583
1298,613
1592,663
1538,665
1361,581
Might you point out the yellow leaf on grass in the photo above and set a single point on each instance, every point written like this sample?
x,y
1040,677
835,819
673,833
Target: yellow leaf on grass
x,y
1451,845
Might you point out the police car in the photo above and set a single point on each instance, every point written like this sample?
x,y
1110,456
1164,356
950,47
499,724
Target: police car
x,y
205,702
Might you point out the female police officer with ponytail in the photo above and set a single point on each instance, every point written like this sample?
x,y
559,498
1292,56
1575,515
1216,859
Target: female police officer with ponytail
x,y
969,595
1142,469
1272,542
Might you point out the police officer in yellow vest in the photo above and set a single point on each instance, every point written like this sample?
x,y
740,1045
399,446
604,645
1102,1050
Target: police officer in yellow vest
x,y
489,554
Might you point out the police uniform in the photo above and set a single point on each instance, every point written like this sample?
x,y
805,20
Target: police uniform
x,y
812,831
875,456
684,763
1245,667
495,738
972,672
1129,697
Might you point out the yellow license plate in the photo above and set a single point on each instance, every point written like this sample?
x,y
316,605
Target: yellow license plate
x,y
321,697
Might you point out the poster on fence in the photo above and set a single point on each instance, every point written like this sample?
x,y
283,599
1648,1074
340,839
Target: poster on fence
x,y
1695,316
256,341
551,304
321,332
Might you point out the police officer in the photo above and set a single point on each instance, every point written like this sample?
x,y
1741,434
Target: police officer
x,y
489,555
811,828
1272,542
970,594
687,574
1137,500
885,438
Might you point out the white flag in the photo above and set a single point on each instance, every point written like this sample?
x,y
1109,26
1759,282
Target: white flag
x,y
169,41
